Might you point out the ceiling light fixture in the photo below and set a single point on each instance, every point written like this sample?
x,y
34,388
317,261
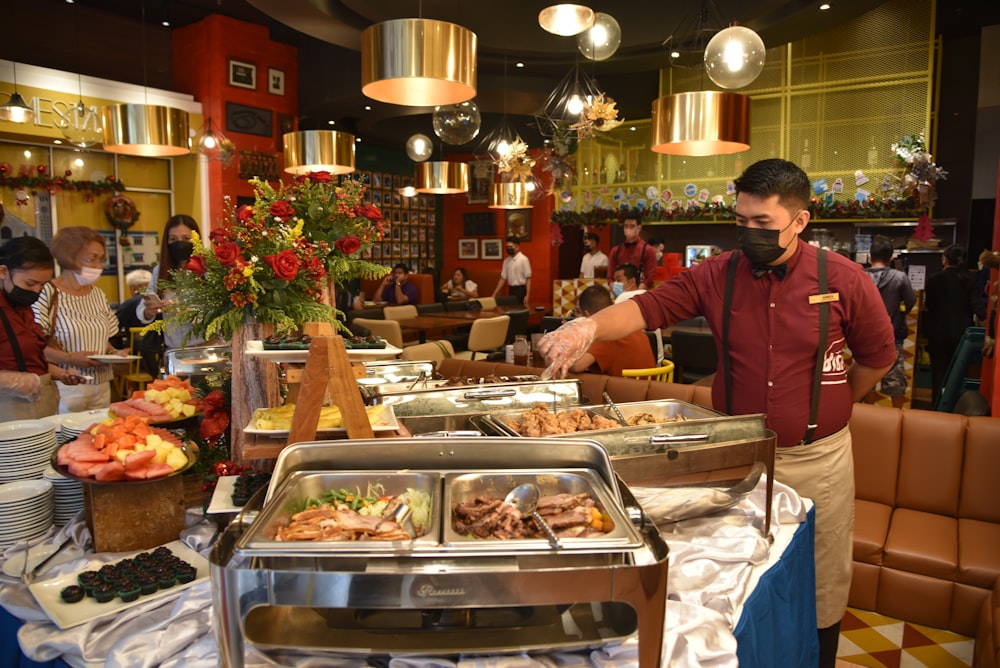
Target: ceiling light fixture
x,y
602,39
734,58
319,151
510,195
418,62
81,126
16,110
439,177
701,123
145,129
567,100
566,19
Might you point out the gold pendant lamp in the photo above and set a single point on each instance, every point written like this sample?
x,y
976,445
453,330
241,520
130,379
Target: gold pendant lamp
x,y
510,195
441,177
145,129
418,62
701,123
319,151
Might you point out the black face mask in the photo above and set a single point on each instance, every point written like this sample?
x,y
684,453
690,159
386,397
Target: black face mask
x,y
180,252
760,246
512,252
19,296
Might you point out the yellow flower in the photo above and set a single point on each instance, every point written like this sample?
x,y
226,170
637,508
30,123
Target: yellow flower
x,y
195,238
296,231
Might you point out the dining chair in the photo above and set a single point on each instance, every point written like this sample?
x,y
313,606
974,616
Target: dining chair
x,y
401,312
487,334
664,372
518,324
434,351
488,303
387,329
694,355
136,378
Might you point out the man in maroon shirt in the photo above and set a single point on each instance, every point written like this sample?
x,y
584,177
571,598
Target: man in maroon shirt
x,y
634,251
774,340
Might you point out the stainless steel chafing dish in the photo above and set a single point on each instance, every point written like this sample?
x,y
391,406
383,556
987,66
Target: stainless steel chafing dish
x,y
395,371
477,399
443,595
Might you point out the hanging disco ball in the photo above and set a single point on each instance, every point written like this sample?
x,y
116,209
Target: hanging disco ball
x,y
419,147
734,57
81,126
602,40
457,123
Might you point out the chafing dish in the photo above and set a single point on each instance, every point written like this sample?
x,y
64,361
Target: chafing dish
x,y
509,597
476,399
395,371
199,362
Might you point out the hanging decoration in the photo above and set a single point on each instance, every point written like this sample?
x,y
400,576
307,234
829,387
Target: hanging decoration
x,y
516,162
37,178
122,213
601,114
919,172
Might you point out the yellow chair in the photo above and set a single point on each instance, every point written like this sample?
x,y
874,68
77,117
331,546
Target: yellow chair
x,y
401,312
434,351
486,334
136,378
488,303
664,373
387,329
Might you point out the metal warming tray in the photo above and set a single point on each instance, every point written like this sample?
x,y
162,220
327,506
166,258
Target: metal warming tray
x,y
394,371
478,399
508,597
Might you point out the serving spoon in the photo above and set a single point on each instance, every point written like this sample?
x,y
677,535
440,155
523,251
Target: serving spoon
x,y
525,499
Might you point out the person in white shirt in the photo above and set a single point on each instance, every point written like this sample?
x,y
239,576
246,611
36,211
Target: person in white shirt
x,y
595,262
459,286
626,283
516,271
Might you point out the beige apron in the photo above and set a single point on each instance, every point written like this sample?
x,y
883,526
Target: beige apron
x,y
824,472
18,408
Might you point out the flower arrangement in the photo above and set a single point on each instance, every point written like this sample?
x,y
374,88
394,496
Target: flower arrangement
x,y
920,173
271,261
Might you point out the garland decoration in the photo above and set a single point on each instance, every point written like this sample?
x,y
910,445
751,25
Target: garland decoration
x,y
36,177
122,213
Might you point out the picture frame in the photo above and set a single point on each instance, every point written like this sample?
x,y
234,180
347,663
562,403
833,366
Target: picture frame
x,y
517,222
387,181
377,181
249,120
479,224
275,81
242,74
492,249
480,180
468,249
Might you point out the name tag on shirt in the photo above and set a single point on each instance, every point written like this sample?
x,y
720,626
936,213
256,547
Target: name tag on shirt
x,y
828,297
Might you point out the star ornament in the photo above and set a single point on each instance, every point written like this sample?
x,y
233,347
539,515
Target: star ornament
x,y
517,162
600,115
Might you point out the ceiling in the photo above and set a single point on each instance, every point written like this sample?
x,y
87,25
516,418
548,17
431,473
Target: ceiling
x,y
327,34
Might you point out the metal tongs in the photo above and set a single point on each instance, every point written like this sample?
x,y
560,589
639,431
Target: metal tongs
x,y
421,377
403,516
614,409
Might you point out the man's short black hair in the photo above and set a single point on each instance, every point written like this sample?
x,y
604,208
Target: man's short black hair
x,y
590,236
631,214
514,240
629,269
954,255
594,298
775,176
400,265
881,249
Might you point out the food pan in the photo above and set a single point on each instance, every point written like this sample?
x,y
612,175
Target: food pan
x,y
477,399
290,497
395,371
465,486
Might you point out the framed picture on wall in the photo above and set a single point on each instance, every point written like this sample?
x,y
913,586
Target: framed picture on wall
x,y
468,249
492,249
480,180
518,223
479,224
275,81
242,74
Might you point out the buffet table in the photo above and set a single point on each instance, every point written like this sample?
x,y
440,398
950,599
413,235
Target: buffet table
x,y
734,599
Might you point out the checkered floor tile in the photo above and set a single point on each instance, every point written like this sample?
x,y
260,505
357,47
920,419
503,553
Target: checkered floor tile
x,y
877,641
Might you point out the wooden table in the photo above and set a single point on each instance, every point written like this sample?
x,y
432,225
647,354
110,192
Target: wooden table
x,y
452,319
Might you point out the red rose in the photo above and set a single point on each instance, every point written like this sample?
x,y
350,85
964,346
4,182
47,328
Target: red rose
x,y
316,268
281,209
320,177
227,253
285,265
219,235
348,245
245,213
197,265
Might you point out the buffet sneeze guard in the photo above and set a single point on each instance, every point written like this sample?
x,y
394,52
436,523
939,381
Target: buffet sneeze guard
x,y
433,596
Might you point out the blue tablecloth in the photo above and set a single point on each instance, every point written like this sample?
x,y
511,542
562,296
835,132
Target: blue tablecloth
x,y
10,651
778,624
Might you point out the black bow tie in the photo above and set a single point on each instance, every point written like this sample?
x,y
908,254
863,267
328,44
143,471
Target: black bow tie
x,y
778,270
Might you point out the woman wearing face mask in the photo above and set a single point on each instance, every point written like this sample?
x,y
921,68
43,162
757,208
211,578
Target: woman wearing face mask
x,y
26,388
78,319
176,247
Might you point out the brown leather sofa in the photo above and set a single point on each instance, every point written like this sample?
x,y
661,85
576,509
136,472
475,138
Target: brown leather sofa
x,y
987,651
426,288
927,504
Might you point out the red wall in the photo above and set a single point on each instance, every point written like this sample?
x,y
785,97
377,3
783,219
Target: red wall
x,y
201,55
539,249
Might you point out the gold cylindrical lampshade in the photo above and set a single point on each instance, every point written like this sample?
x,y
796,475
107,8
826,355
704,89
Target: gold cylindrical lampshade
x,y
441,178
701,123
418,62
144,129
319,151
510,195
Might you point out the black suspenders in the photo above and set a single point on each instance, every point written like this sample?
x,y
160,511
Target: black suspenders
x,y
824,334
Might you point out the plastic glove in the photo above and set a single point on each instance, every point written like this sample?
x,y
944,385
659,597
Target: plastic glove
x,y
565,345
18,384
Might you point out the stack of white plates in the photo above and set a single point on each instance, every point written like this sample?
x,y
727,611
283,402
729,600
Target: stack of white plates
x,y
68,496
25,449
75,423
25,510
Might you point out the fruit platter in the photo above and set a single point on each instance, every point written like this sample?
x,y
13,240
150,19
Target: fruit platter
x,y
123,450
164,400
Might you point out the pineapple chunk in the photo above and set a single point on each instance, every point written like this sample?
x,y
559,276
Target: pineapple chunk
x,y
153,395
122,454
177,459
188,410
153,441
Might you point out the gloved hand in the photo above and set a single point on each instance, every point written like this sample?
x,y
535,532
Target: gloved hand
x,y
565,345
18,384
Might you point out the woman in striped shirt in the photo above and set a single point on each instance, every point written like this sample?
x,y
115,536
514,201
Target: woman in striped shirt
x,y
78,318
